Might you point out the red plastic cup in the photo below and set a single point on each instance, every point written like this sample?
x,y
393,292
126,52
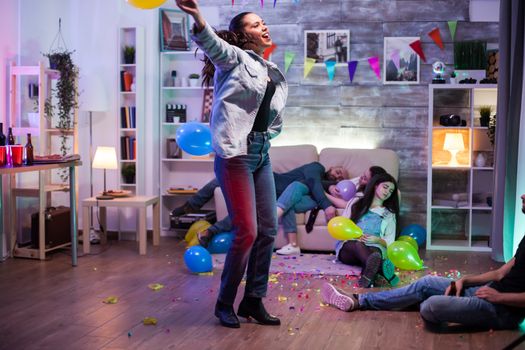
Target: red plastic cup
x,y
17,152
3,155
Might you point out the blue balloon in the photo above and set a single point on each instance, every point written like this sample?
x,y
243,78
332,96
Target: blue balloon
x,y
417,232
194,138
198,259
221,243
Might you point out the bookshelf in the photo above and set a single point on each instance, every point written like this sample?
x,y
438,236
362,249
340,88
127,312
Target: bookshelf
x,y
459,194
180,103
131,108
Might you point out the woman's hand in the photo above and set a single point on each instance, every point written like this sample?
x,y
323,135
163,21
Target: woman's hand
x,y
369,239
191,7
334,191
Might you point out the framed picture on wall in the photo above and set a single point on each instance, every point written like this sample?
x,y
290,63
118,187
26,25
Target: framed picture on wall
x,y
400,62
174,30
327,45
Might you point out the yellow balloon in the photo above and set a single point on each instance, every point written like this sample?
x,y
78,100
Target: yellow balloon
x,y
196,227
146,4
410,240
342,228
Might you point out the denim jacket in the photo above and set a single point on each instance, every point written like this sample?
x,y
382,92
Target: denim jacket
x,y
239,85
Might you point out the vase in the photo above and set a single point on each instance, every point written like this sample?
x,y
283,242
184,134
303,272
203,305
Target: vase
x,y
452,80
484,120
480,160
194,82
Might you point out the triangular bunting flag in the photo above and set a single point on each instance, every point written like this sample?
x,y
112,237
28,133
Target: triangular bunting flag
x,y
416,46
395,58
330,68
274,1
268,51
288,59
352,66
296,1
308,65
436,36
262,3
233,2
452,25
374,64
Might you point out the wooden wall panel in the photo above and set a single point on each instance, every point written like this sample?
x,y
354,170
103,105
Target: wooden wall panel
x,y
364,113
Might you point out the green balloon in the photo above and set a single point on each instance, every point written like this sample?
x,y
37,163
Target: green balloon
x,y
410,240
404,256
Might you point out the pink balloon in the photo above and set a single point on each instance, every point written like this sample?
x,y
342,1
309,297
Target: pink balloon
x,y
346,189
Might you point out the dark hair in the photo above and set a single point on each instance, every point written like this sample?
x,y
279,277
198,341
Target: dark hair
x,y
374,170
234,36
362,206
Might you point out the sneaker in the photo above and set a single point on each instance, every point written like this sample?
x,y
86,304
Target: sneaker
x,y
94,237
289,249
368,275
388,272
330,295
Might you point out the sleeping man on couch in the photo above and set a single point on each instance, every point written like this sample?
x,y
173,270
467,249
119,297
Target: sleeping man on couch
x,y
312,175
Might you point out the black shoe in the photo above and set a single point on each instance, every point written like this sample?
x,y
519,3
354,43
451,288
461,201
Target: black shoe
x,y
204,239
184,209
226,315
254,308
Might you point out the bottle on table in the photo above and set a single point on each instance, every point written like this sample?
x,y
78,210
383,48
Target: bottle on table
x,y
29,151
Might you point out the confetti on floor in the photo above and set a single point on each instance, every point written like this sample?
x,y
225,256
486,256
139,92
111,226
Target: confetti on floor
x,y
155,286
149,321
110,300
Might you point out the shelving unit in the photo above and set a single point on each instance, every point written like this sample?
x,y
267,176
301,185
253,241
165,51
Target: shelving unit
x,y
26,115
177,168
131,119
459,197
131,109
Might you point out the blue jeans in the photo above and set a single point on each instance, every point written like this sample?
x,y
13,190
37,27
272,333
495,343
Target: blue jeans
x,y
437,308
249,191
200,198
294,199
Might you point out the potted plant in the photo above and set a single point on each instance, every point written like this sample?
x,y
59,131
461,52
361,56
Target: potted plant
x,y
194,79
128,173
453,77
129,54
484,112
63,99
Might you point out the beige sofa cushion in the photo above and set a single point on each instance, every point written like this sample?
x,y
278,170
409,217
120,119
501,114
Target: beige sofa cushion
x,y
286,158
356,161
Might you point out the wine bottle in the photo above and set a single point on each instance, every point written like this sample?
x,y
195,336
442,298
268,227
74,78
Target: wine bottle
x,y
29,151
10,137
2,136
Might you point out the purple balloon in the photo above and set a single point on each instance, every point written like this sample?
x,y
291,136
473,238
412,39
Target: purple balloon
x,y
346,189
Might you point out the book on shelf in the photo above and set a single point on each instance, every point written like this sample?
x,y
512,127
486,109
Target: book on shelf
x,y
128,117
450,203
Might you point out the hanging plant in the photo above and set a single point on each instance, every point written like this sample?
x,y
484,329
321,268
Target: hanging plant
x,y
65,92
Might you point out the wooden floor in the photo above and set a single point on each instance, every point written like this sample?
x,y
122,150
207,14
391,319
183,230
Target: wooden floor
x,y
50,305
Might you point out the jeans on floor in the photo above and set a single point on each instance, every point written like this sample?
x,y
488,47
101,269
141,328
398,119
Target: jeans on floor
x,y
249,191
294,199
437,308
202,196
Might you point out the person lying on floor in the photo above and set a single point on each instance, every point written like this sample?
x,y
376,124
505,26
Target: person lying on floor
x,y
491,300
376,214
297,198
313,173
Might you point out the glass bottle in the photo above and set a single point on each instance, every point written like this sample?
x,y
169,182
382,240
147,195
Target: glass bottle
x,y
29,151
2,136
10,137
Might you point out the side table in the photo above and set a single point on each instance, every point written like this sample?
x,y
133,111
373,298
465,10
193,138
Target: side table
x,y
140,202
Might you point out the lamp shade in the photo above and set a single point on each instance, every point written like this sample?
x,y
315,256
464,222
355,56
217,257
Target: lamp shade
x,y
453,142
105,158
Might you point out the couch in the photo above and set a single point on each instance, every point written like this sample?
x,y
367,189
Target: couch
x,y
286,158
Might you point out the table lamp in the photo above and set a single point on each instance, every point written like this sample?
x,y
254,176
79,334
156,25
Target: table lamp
x,y
453,143
105,158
